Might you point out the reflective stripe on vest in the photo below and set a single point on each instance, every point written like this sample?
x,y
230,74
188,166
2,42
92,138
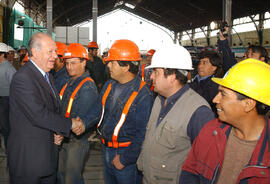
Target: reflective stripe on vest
x,y
73,94
62,91
124,112
104,98
143,66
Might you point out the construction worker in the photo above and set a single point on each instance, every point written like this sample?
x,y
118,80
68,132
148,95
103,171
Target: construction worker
x,y
24,60
122,112
149,55
77,98
95,65
145,73
235,148
60,73
257,52
22,50
11,58
10,54
6,73
177,116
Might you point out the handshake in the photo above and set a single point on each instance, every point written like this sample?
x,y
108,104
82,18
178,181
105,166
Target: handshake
x,y
77,126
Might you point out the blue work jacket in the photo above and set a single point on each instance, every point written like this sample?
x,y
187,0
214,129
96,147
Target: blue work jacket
x,y
83,101
133,129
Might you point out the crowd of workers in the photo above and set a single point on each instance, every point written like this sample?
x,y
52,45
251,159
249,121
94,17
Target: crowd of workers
x,y
156,124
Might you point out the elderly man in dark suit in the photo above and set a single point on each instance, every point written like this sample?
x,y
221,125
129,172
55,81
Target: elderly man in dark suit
x,y
36,124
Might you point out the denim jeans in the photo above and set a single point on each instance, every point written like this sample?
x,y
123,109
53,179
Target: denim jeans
x,y
128,175
72,156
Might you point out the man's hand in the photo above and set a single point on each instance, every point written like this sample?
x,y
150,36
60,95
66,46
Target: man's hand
x,y
58,139
77,126
116,162
221,36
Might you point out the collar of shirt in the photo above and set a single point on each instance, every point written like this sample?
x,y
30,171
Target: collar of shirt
x,y
72,82
41,71
200,79
170,102
119,88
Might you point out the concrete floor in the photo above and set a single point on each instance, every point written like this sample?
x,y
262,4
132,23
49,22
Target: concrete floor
x,y
93,171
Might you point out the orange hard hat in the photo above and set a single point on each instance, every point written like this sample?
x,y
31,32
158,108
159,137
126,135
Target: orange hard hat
x,y
75,50
61,47
92,45
151,52
25,59
123,50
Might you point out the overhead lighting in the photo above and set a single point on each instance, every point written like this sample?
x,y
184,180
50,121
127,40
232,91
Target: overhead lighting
x,y
213,25
130,5
119,3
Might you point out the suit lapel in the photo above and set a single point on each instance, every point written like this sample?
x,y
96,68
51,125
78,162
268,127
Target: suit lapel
x,y
43,82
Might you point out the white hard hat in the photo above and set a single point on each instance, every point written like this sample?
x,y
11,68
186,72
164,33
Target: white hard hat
x,y
3,47
172,56
9,48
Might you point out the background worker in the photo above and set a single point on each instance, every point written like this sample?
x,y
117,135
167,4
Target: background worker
x,y
12,59
22,50
257,52
177,116
210,65
146,72
123,109
6,73
77,98
235,148
95,65
10,54
59,72
24,60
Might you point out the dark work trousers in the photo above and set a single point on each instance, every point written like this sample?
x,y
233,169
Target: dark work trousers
x,y
4,117
51,179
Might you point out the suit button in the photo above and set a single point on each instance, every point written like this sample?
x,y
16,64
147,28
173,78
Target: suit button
x,y
262,172
163,166
215,132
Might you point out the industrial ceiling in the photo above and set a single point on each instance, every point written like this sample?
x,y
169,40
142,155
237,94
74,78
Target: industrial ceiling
x,y
176,15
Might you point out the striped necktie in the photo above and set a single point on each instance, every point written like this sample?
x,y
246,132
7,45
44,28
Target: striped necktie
x,y
48,81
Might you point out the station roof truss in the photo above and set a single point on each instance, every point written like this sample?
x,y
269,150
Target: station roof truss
x,y
175,15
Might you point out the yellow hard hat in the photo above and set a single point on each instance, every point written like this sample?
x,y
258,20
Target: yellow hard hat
x,y
249,77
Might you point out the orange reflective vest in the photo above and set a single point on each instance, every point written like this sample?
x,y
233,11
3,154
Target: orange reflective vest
x,y
120,123
73,94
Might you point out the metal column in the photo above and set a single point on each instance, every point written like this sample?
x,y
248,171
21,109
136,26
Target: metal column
x,y
175,37
94,14
227,16
49,16
260,28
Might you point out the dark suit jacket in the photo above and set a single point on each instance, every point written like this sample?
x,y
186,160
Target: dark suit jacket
x,y
34,117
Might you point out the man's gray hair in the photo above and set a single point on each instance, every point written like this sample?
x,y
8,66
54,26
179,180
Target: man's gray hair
x,y
35,42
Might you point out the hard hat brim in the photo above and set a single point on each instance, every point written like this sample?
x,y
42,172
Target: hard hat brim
x,y
152,66
222,82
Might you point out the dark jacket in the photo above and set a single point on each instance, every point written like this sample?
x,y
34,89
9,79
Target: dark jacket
x,y
207,89
205,159
228,57
34,118
96,70
60,78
